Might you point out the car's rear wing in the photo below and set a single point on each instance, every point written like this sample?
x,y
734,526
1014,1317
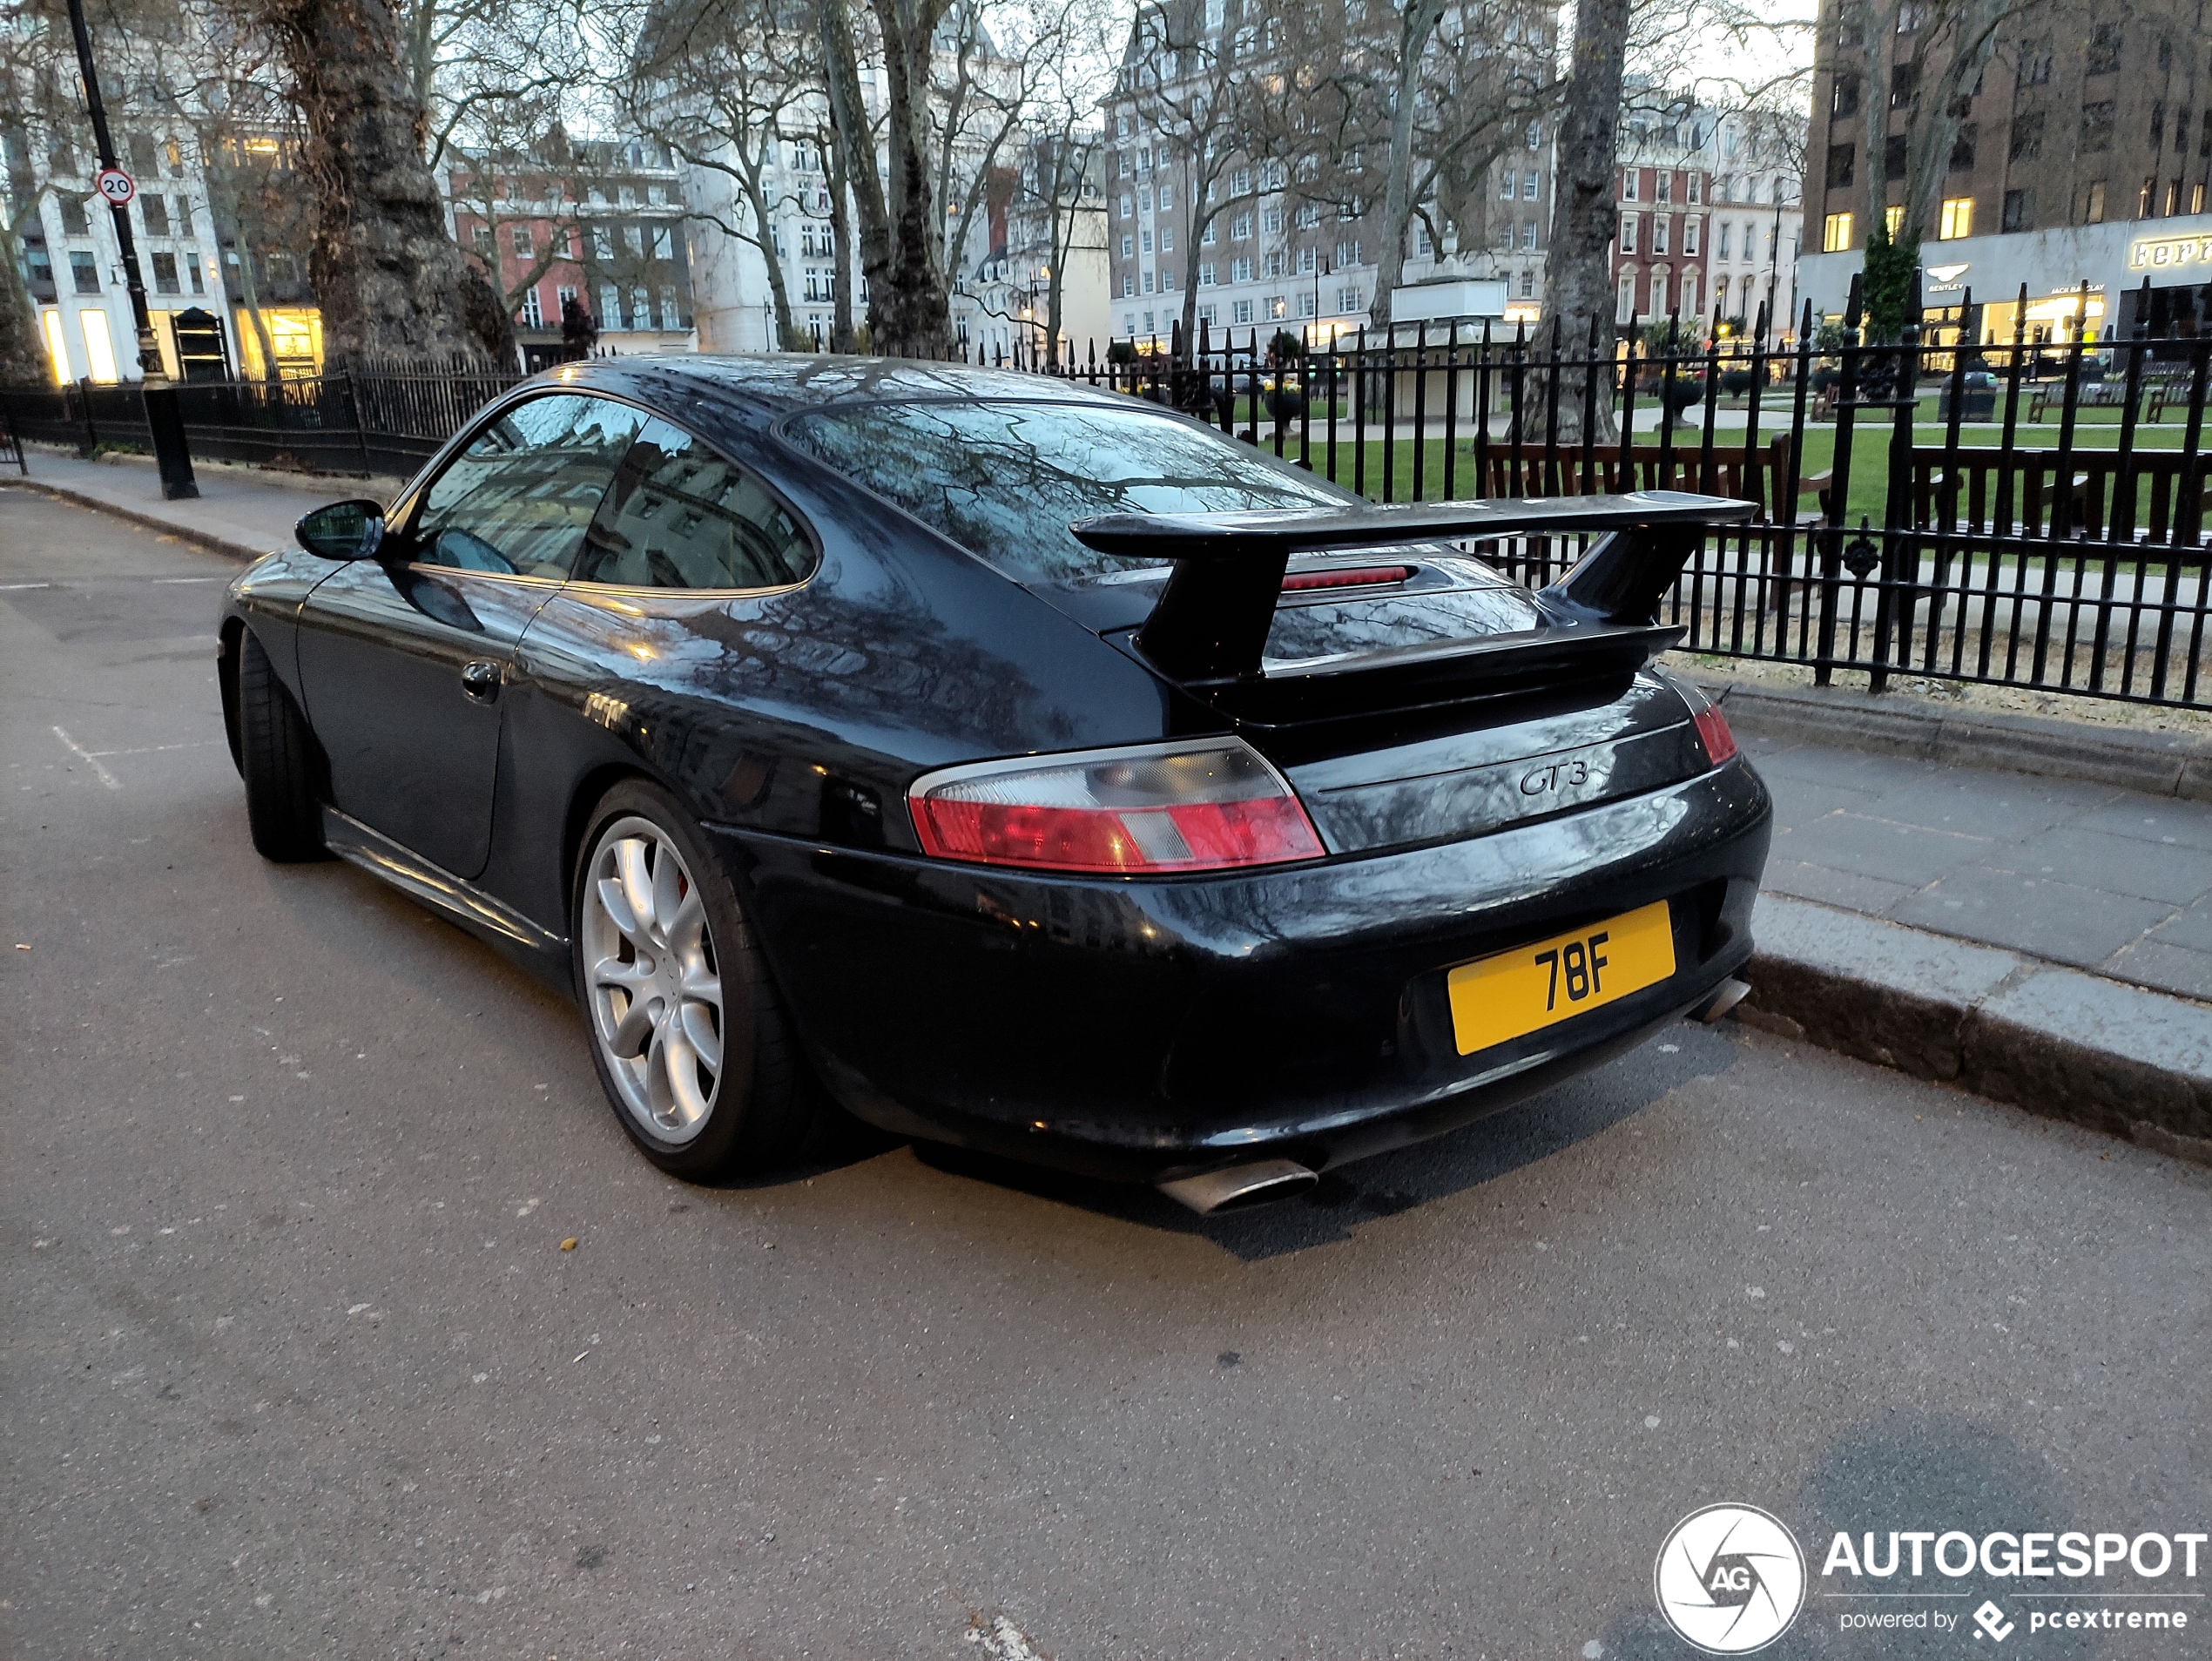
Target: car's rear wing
x,y
1210,622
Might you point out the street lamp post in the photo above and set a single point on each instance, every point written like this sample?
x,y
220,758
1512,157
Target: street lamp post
x,y
165,418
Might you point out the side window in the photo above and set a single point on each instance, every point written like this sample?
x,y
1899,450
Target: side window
x,y
518,499
678,516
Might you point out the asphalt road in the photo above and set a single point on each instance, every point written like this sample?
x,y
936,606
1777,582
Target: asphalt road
x,y
294,1362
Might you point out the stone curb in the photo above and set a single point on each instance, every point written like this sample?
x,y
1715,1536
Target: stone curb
x,y
2055,1041
2158,764
154,522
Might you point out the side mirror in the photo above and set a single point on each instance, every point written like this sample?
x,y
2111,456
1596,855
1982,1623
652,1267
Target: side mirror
x,y
343,530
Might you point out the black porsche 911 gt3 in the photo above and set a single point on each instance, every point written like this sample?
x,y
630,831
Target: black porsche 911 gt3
x,y
1044,771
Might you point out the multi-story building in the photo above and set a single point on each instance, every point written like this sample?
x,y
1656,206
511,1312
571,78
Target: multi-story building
x,y
1057,211
1708,203
2080,154
1295,241
71,266
600,225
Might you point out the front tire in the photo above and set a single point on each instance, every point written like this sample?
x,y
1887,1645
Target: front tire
x,y
277,754
691,1041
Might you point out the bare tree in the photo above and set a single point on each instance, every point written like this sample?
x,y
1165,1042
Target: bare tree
x,y
724,85
910,312
388,277
1195,86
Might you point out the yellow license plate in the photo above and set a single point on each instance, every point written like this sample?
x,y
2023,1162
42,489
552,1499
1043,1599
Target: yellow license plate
x,y
1516,992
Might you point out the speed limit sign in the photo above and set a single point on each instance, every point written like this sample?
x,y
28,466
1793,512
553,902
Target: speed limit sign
x,y
118,186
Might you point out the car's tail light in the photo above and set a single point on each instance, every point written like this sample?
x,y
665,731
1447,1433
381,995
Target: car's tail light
x,y
1712,726
1162,808
1713,733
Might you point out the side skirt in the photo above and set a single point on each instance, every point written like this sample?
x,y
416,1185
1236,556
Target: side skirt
x,y
492,920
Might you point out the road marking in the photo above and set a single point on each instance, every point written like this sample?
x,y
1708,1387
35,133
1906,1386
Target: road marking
x,y
14,588
192,579
151,749
90,761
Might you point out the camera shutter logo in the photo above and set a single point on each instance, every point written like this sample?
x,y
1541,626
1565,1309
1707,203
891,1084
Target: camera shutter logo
x,y
1729,1579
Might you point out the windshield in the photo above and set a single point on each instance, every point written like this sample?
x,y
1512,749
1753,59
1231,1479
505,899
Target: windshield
x,y
1005,479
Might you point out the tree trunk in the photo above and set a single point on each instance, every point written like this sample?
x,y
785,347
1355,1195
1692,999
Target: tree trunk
x,y
1578,267
787,334
856,143
387,275
1416,23
835,168
911,314
22,354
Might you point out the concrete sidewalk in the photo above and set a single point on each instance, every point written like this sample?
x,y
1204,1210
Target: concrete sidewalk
x,y
241,511
1980,901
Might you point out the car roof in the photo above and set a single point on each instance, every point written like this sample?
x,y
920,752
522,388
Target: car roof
x,y
766,385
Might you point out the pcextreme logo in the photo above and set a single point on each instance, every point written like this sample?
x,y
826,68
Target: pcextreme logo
x,y
1729,1579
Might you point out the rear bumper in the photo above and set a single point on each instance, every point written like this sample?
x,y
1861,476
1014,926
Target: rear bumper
x,y
1142,1030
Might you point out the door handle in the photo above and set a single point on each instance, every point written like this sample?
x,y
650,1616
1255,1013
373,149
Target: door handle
x,y
480,679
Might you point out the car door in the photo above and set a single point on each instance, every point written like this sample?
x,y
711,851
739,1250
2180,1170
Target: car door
x,y
403,659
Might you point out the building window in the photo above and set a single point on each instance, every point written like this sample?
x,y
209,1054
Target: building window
x,y
1205,273
156,213
1689,229
1528,234
1530,182
1240,270
2143,199
1892,221
1661,232
1127,205
1207,316
1696,188
1129,285
525,245
1689,292
1278,306
1658,292
1626,312
1957,219
1506,194
1240,311
2096,126
1628,233
1147,282
2104,50
670,314
164,274
1306,307
1835,233
1167,239
1628,180
1347,300
610,306
533,314
2093,207
1842,165
1144,200
1129,247
1240,227
84,271
1529,284
1143,241
1725,229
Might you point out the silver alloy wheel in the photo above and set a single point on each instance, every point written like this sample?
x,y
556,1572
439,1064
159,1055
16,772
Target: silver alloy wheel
x,y
655,984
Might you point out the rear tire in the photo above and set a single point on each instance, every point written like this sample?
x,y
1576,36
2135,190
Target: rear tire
x,y
277,756
691,1040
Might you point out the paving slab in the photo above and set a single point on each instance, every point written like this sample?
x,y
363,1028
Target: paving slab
x,y
2175,875
2157,963
1878,848
2062,922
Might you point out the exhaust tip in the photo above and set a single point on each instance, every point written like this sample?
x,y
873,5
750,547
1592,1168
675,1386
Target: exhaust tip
x,y
1240,1187
1732,993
